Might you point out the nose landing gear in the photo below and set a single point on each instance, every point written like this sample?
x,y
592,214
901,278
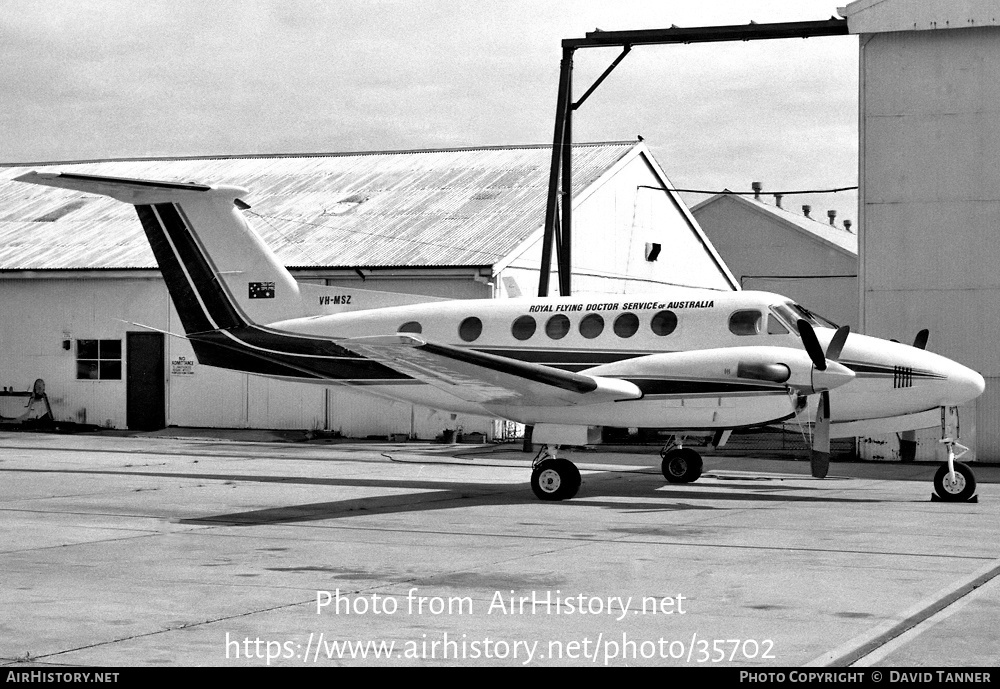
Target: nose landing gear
x,y
954,481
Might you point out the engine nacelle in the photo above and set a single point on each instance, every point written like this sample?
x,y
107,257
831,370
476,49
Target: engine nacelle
x,y
777,366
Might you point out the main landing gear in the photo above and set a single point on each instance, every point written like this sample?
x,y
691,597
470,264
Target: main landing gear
x,y
553,478
681,465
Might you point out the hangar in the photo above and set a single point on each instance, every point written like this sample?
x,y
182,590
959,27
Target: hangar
x,y
77,274
929,190
771,248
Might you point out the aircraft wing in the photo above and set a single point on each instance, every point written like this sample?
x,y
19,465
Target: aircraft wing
x,y
486,378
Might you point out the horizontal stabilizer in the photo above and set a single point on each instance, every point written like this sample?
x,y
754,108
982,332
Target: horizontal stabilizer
x,y
134,191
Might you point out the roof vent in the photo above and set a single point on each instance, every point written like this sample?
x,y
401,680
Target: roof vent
x,y
847,225
777,200
806,210
832,214
756,186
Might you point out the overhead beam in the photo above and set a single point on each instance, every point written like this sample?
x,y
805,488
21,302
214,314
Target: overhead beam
x,y
558,208
710,34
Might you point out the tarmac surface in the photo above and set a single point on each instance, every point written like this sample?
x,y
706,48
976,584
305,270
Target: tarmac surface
x,y
171,549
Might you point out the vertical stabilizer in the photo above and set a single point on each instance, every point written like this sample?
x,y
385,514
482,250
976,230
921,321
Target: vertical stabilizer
x,y
219,272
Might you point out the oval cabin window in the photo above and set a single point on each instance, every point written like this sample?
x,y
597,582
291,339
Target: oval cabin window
x,y
591,326
664,323
410,327
557,327
523,328
626,325
470,329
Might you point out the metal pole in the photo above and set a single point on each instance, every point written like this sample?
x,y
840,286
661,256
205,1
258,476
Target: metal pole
x,y
566,229
551,206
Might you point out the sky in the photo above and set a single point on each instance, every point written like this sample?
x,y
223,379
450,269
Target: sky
x,y
85,79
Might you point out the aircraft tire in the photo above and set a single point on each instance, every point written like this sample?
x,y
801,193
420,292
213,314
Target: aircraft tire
x,y
555,479
681,466
961,489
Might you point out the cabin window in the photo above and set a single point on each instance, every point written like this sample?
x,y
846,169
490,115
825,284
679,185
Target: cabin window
x,y
523,328
557,327
99,359
664,323
745,322
591,326
470,329
626,325
410,327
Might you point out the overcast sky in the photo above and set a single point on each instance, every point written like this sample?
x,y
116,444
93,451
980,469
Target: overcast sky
x,y
106,78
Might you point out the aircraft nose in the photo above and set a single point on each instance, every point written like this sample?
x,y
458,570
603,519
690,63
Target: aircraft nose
x,y
964,384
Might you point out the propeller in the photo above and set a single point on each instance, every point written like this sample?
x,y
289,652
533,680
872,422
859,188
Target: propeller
x,y
820,456
908,439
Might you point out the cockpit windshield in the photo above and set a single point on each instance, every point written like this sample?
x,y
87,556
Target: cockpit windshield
x,y
790,313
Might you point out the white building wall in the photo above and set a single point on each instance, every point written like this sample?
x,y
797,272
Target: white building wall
x,y
930,200
764,254
611,225
37,316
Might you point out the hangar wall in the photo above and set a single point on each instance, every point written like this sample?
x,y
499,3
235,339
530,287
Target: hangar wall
x,y
767,249
612,224
930,196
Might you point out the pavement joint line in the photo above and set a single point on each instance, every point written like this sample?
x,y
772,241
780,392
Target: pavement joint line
x,y
866,643
914,632
622,540
140,534
167,630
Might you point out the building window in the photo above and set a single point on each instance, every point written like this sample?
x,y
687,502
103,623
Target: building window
x,y
745,322
410,327
99,359
523,328
591,326
470,329
557,327
664,323
626,325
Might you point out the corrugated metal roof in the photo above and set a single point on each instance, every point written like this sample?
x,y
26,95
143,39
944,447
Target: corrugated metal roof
x,y
836,236
457,207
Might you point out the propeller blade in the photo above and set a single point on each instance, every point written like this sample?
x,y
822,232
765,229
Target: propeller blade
x,y
811,344
920,342
837,343
819,458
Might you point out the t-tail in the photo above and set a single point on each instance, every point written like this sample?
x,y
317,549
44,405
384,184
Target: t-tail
x,y
220,276
227,285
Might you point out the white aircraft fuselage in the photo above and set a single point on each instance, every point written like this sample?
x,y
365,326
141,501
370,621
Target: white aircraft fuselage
x,y
594,335
681,359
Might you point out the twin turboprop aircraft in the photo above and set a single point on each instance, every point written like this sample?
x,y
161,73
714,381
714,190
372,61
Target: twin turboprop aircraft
x,y
692,361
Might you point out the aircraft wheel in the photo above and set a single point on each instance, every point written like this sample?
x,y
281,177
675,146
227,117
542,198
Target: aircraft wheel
x,y
681,466
959,490
555,479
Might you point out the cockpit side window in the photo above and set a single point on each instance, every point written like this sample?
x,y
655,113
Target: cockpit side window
x,y
746,322
790,314
774,326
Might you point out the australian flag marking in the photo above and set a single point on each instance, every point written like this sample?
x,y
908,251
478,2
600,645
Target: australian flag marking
x,y
261,290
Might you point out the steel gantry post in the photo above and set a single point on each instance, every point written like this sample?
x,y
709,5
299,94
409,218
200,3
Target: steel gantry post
x,y
557,235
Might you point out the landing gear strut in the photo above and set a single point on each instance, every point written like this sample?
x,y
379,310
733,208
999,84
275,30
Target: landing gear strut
x,y
553,478
954,481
